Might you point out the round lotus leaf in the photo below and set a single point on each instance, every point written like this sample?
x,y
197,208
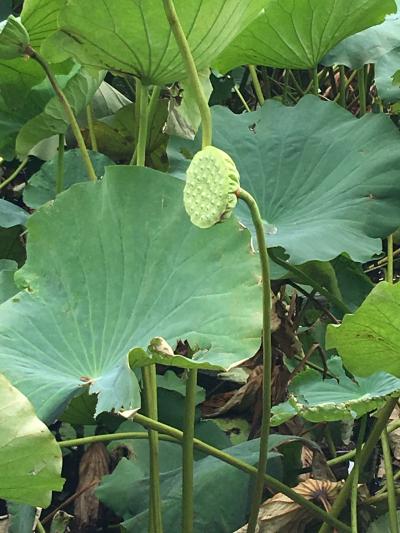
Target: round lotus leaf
x,y
134,37
211,184
325,181
13,38
111,266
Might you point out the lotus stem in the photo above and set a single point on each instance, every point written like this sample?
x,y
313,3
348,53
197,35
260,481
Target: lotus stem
x,y
175,435
373,438
342,86
67,109
362,92
60,165
92,133
14,175
256,84
150,391
390,486
188,448
315,82
356,477
143,124
267,358
191,71
39,528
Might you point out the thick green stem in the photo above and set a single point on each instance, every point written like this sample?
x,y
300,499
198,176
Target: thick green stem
x,y
315,81
285,95
188,448
191,70
356,477
310,281
390,260
67,109
92,133
256,84
391,488
60,165
175,435
150,391
362,92
143,125
342,86
267,357
373,438
14,175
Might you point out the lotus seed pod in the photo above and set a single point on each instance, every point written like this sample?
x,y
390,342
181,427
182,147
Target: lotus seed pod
x,y
212,181
13,38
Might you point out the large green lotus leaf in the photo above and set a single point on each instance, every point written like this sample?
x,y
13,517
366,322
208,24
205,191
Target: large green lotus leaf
x,y
52,120
40,19
326,400
368,45
298,33
42,185
135,38
111,266
369,340
11,214
325,182
382,524
30,458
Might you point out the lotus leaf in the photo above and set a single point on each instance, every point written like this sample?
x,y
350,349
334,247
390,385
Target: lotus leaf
x,y
112,265
325,181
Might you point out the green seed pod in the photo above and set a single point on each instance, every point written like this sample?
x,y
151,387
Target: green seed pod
x,y
13,38
212,181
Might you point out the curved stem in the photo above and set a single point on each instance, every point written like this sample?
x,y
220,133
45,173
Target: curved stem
x,y
373,438
267,358
90,121
241,98
354,489
309,281
188,459
67,109
391,488
14,175
60,165
256,84
39,528
191,70
143,125
175,435
150,391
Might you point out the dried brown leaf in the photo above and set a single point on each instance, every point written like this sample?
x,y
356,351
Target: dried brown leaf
x,y
93,466
280,514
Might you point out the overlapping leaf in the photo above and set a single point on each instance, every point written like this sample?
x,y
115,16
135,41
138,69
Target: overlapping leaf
x,y
326,400
111,266
369,340
367,46
135,37
30,458
325,182
298,33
